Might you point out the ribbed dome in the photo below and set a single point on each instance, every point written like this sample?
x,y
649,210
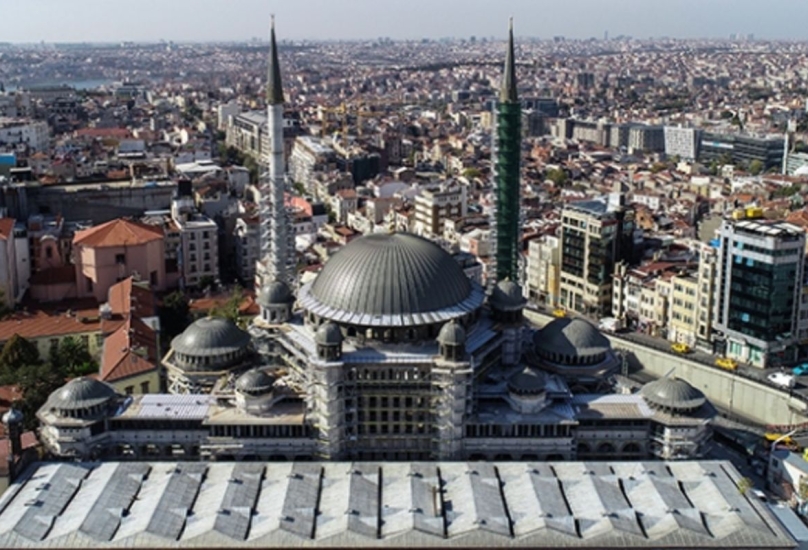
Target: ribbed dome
x,y
328,334
527,382
672,393
276,292
452,334
571,337
507,295
81,393
255,381
388,276
211,336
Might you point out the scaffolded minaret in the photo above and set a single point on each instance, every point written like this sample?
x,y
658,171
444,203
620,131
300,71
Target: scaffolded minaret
x,y
274,224
508,145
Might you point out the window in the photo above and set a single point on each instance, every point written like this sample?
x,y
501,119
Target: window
x,y
120,258
144,387
89,283
153,278
129,390
48,252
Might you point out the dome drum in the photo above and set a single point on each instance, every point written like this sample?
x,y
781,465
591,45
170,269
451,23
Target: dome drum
x,y
82,398
571,342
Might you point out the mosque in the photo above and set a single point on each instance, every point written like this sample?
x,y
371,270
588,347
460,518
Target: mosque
x,y
390,354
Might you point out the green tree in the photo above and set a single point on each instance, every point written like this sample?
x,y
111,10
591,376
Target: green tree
x,y
557,176
36,383
230,309
17,353
206,282
471,173
755,167
72,358
174,314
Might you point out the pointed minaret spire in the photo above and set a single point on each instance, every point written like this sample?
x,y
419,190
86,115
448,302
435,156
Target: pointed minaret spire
x,y
274,86
508,91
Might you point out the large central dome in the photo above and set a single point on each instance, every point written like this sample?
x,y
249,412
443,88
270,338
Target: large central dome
x,y
394,279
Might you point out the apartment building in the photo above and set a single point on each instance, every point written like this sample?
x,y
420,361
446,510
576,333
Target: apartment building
x,y
543,270
595,236
310,155
199,239
247,244
759,284
682,142
437,203
24,132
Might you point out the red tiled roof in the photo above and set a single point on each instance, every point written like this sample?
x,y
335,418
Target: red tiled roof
x,y
41,324
118,232
118,360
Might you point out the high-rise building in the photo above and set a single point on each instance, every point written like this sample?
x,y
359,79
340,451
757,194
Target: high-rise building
x,y
682,142
758,288
509,142
595,235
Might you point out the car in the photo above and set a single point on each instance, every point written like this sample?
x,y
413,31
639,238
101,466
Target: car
x,y
681,348
559,313
800,370
781,379
726,363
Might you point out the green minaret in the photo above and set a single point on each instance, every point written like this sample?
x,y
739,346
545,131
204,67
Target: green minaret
x,y
509,143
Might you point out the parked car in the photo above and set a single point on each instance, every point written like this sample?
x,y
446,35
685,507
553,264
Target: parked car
x,y
800,370
726,363
559,313
681,348
782,379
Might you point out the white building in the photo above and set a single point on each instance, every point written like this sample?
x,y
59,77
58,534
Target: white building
x,y
682,142
199,242
23,131
247,244
543,270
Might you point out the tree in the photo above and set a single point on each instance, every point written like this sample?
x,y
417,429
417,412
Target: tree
x,y
36,383
231,308
174,314
471,173
206,282
17,354
72,358
557,176
755,167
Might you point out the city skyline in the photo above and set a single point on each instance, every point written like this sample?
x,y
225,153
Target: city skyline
x,y
205,20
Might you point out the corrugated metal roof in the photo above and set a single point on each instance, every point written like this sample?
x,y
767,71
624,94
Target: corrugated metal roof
x,y
347,505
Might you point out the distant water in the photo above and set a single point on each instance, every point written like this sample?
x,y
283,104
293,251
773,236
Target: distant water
x,y
77,84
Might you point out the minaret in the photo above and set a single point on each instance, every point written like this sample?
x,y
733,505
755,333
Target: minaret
x,y
274,226
508,146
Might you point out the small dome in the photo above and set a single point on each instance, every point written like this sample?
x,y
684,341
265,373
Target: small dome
x,y
254,382
571,337
527,382
452,334
328,334
275,293
672,393
211,336
81,393
12,417
507,295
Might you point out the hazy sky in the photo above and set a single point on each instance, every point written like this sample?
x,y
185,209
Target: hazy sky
x,y
200,20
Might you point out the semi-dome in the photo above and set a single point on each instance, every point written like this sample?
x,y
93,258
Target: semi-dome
x,y
452,334
673,394
81,393
396,279
255,381
328,334
276,292
527,382
211,336
571,337
507,295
